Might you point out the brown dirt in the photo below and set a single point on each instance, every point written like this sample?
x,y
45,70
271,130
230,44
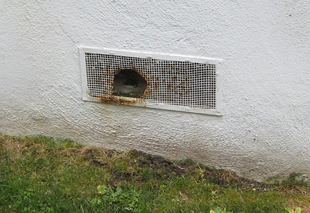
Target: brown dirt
x,y
139,166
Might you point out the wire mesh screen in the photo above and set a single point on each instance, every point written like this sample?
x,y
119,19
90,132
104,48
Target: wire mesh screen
x,y
179,83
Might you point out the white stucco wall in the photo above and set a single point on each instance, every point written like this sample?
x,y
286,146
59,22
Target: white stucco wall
x,y
265,47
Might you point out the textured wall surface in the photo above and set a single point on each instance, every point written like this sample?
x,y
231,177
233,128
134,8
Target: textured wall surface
x,y
264,130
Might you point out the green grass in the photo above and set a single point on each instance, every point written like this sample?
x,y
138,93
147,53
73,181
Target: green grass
x,y
42,174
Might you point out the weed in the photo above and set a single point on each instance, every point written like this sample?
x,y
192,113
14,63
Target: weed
x,y
297,210
126,199
220,210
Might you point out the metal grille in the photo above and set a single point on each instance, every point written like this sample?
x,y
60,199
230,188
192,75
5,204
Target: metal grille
x,y
179,83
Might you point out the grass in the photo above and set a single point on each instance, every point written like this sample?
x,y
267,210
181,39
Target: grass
x,y
42,174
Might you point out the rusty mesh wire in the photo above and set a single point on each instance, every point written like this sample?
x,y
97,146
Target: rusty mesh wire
x,y
180,83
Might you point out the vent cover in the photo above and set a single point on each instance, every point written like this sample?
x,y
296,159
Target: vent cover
x,y
173,82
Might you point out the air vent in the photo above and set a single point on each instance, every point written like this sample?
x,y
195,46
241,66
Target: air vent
x,y
172,82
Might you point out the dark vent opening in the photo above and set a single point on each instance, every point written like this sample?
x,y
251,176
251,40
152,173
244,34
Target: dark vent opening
x,y
129,83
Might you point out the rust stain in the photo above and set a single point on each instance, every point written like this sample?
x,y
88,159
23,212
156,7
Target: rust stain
x,y
146,92
123,100
155,85
105,100
119,100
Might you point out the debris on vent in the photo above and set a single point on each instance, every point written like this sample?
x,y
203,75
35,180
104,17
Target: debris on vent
x,y
164,81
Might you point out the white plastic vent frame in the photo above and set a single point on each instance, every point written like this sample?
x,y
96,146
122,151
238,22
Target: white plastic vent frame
x,y
174,82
